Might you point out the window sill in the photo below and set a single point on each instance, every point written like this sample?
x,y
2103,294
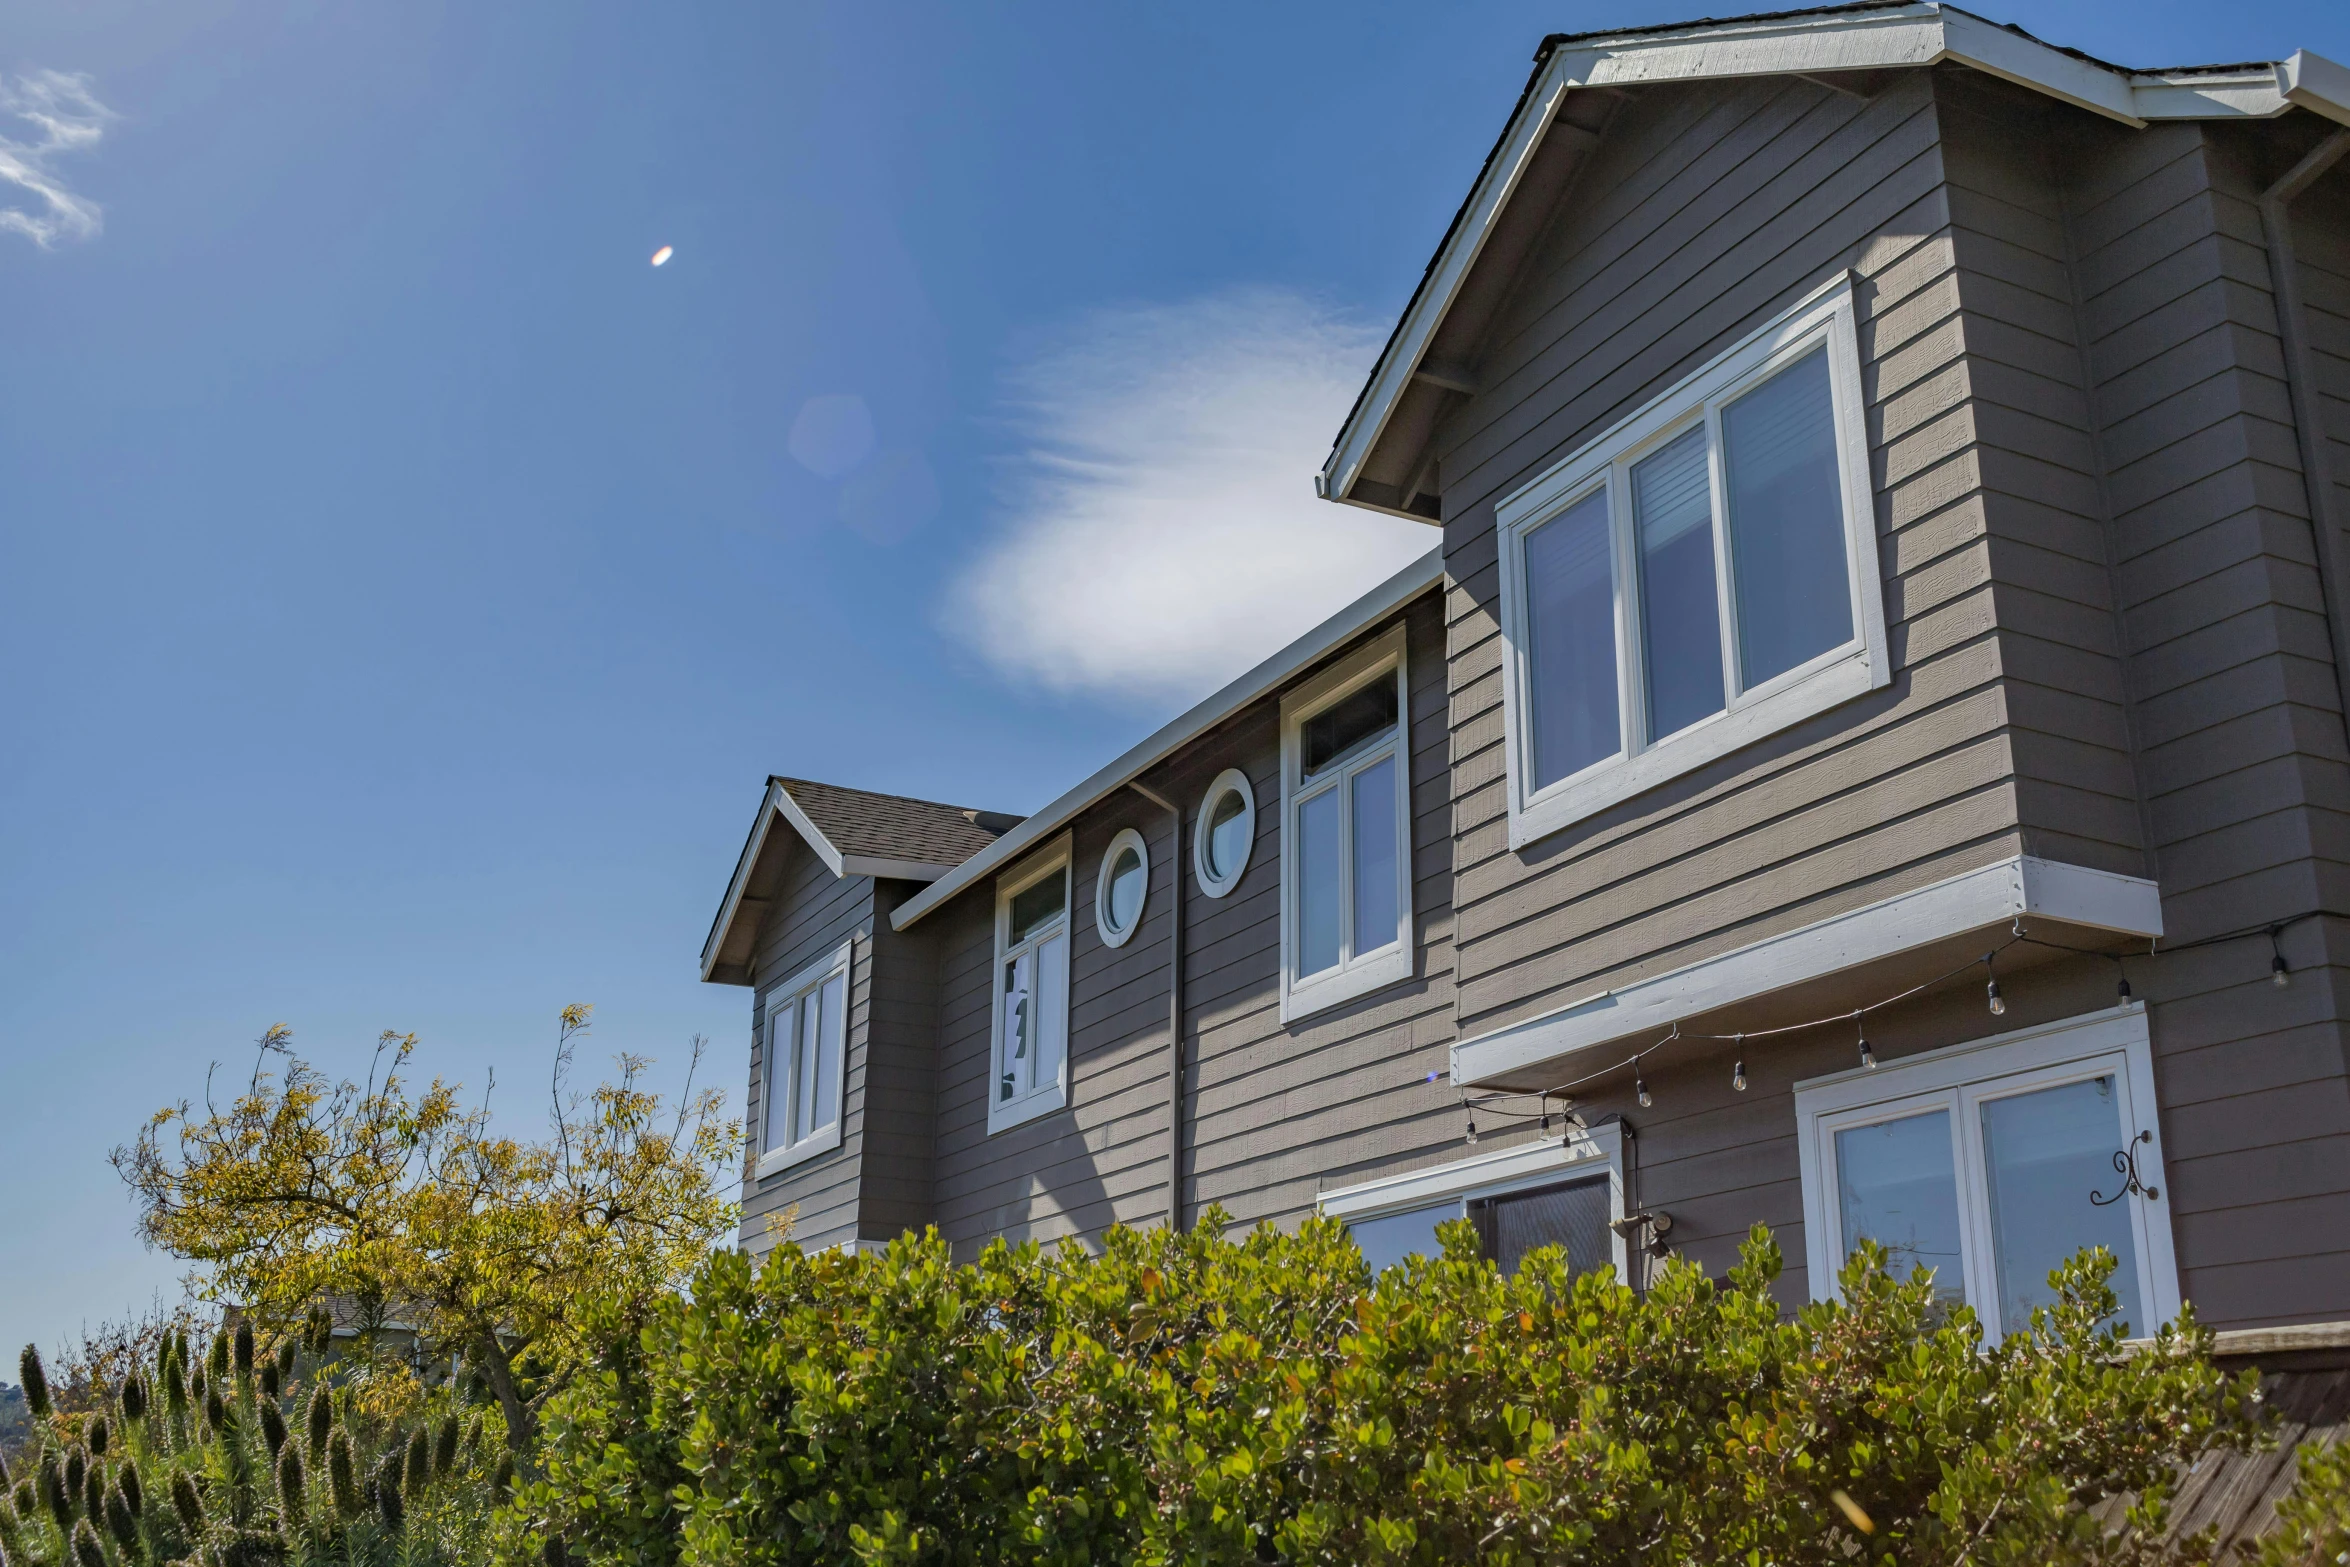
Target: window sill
x,y
1003,1117
1324,991
1850,674
800,1152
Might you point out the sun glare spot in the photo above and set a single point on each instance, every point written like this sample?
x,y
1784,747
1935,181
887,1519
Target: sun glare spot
x,y
663,254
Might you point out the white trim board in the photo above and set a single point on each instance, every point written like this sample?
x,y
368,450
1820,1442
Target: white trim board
x,y
1390,596
2023,887
1900,36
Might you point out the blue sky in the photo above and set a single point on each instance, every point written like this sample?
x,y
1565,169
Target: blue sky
x,y
405,588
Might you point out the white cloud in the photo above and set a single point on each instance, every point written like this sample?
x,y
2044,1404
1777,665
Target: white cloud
x,y
1161,532
66,117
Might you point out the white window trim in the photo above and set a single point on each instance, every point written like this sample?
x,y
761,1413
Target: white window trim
x,y
1112,936
1506,1170
785,996
1354,977
2112,1041
1838,675
1233,781
1052,860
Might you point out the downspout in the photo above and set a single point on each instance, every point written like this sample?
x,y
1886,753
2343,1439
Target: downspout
x,y
2276,227
1174,1005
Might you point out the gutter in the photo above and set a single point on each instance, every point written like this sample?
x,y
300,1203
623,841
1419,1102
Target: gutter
x,y
1382,601
2276,227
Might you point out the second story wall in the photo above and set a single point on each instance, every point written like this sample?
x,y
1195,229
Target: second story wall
x,y
811,912
1273,1111
1705,210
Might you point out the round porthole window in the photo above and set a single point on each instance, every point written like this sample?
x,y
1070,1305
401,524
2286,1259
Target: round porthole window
x,y
1118,892
1227,831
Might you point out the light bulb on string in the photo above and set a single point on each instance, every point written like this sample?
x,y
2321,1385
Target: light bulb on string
x,y
2280,973
1640,1090
1868,1057
2121,988
1738,1077
1991,990
1472,1131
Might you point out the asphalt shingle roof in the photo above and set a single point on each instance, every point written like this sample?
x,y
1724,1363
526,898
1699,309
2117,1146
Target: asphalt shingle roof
x,y
894,827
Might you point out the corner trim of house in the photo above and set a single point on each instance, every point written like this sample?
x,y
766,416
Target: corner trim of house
x,y
2008,889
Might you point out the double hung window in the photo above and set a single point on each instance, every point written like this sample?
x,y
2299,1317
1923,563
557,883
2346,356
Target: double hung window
x,y
1992,1164
806,1052
1346,915
1703,574
1031,1025
1552,1193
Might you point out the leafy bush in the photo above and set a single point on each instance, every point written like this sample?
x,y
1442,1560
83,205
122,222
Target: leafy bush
x,y
1185,1398
234,1456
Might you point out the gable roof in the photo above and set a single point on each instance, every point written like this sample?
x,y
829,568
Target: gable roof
x,y
855,832
1380,459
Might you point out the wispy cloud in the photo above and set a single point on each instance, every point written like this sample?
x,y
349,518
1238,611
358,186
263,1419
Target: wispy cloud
x,y
1160,531
65,117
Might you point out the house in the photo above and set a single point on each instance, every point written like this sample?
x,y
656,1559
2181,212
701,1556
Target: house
x,y
1865,751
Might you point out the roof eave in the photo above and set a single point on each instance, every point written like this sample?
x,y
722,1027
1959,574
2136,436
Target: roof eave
x,y
1406,585
1889,37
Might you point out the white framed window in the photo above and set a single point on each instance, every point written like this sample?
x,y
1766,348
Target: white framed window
x,y
1346,831
1030,1038
1699,577
806,1062
1992,1163
1225,833
1557,1192
1121,887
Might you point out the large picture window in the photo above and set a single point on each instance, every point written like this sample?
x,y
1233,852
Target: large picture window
x,y
1701,575
1346,910
807,1023
1031,1027
1558,1192
1991,1164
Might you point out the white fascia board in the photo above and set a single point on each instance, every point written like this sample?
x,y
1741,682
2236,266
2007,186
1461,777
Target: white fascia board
x,y
1406,585
742,879
2029,63
807,829
1393,374
2317,84
900,870
2024,887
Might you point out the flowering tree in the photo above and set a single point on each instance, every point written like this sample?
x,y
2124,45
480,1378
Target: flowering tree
x,y
397,1200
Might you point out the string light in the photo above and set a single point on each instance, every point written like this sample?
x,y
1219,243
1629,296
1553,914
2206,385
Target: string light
x,y
2280,974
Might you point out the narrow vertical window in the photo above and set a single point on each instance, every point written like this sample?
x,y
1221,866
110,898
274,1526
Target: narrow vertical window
x,y
1032,999
806,1059
1786,509
1571,656
1899,1184
1680,616
1346,906
1375,849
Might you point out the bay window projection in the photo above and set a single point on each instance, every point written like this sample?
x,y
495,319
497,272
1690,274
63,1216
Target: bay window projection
x,y
1698,577
806,1047
1031,1025
1990,1165
1346,905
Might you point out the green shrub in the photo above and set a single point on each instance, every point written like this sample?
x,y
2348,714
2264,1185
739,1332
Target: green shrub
x,y
1185,1398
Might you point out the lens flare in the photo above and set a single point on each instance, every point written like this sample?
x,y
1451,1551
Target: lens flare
x,y
663,254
